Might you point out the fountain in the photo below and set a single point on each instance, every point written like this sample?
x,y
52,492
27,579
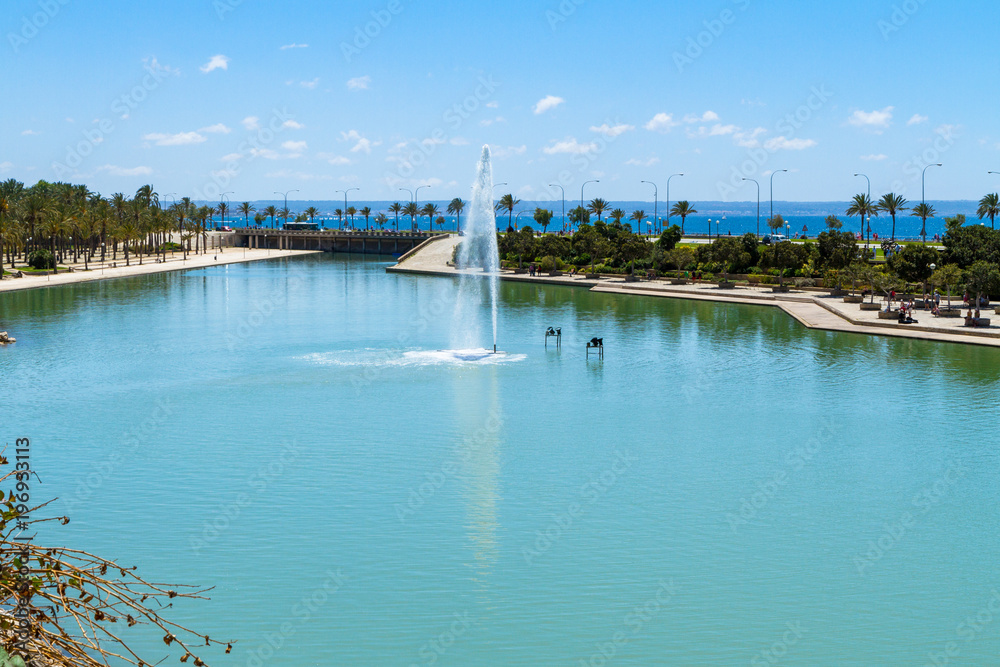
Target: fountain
x,y
478,251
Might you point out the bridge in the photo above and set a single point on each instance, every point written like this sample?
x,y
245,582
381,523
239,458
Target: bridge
x,y
332,240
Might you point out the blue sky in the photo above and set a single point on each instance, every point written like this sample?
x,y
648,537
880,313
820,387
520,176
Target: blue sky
x,y
203,96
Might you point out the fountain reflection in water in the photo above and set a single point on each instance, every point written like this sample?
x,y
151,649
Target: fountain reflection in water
x,y
478,251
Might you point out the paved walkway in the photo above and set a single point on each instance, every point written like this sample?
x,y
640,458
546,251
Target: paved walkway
x,y
118,269
813,309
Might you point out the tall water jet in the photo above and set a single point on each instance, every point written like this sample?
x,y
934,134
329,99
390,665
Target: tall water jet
x,y
478,250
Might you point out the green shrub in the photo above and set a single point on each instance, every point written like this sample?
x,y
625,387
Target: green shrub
x,y
41,260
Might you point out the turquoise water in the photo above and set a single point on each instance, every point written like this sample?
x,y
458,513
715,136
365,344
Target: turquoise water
x,y
725,487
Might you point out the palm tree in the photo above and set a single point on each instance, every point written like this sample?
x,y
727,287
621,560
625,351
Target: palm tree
x,y
284,214
4,216
351,211
862,205
271,211
638,216
431,211
380,220
683,209
366,211
617,215
246,208
598,207
339,212
455,208
507,203
989,207
924,211
312,212
411,210
892,204
396,208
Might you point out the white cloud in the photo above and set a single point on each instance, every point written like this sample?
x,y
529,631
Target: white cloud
x,y
786,144
501,152
489,121
707,117
749,139
216,62
874,120
548,103
359,83
292,125
493,105
874,158
662,122
569,145
122,171
612,132
231,157
265,153
917,119
252,123
294,46
717,130
311,85
179,139
294,146
643,163
334,159
459,141
361,144
30,133
5,167
297,175
218,128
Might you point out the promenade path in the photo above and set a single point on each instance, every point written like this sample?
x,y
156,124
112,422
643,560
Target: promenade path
x,y
117,269
813,309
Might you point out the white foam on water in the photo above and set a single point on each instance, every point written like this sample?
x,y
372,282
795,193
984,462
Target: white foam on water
x,y
412,358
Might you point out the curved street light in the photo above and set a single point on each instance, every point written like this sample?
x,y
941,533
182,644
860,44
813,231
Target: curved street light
x,y
582,187
556,185
285,195
655,195
869,201
772,190
923,198
758,203
668,196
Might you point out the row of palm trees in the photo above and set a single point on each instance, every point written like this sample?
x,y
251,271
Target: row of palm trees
x,y
893,204
76,224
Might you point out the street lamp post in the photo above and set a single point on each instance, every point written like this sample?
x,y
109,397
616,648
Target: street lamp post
x,y
344,192
758,203
772,190
668,196
923,198
655,195
416,200
868,215
556,185
581,191
222,200
286,203
516,217
709,230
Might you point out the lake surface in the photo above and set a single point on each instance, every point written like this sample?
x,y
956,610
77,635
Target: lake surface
x,y
725,487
